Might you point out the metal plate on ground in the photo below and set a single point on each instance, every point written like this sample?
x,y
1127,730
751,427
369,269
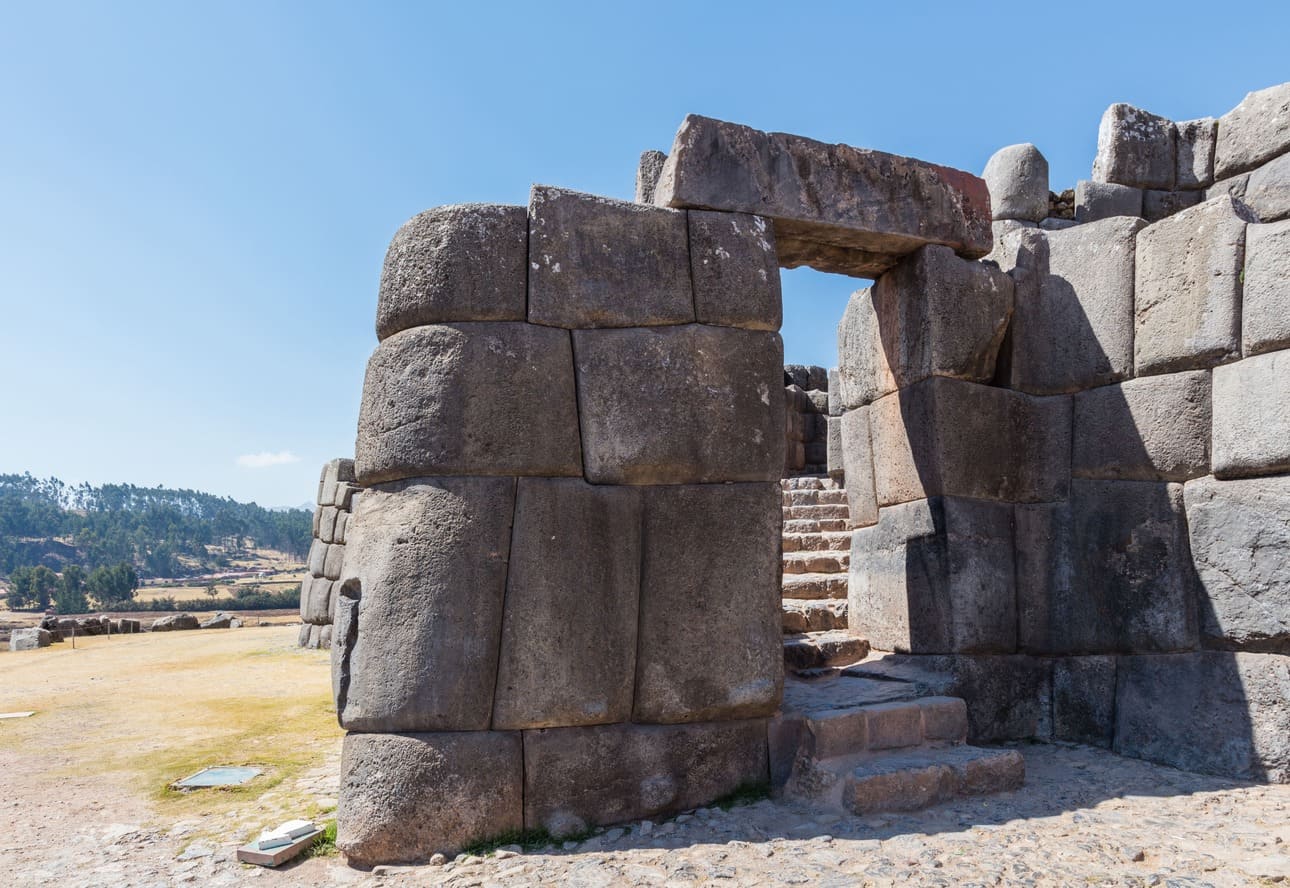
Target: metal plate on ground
x,y
26,714
276,856
220,775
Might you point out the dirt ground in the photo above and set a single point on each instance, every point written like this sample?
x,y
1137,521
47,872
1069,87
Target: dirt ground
x,y
83,798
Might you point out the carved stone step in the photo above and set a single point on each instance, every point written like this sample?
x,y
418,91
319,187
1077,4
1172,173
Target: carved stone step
x,y
815,650
833,541
814,616
815,585
816,562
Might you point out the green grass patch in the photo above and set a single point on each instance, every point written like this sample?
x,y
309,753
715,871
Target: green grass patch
x,y
325,844
528,840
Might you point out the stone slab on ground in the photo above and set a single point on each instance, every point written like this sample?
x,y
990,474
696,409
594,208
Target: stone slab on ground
x,y
1252,416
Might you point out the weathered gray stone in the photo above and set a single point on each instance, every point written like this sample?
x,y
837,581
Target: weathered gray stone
x,y
327,524
1017,177
596,262
648,170
404,797
1213,712
1254,131
1055,224
469,399
1265,302
798,375
1240,543
1103,200
420,612
835,393
935,576
949,437
734,270
1195,149
29,638
454,263
857,464
575,777
1073,324
1084,700
315,600
1007,242
834,207
863,370
1156,428
568,650
1188,288
342,522
1252,416
711,559
334,562
174,623
1157,205
644,421
1135,147
1268,190
1107,571
836,461
1235,186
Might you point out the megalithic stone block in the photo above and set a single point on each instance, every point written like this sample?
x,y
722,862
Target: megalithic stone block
x,y
644,420
596,262
1135,147
407,796
711,559
1240,543
834,207
455,263
648,169
857,464
1188,288
1267,193
579,777
1252,416
935,577
836,461
1017,177
1157,205
1195,153
1253,132
1095,201
568,650
735,270
426,566
469,399
1084,699
1108,571
1265,321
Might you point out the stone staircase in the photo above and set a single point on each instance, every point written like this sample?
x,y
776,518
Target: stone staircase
x,y
817,553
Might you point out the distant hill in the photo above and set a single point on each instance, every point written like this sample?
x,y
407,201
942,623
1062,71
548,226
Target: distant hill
x,y
162,532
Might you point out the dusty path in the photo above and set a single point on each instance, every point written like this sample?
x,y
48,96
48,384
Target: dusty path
x,y
1084,817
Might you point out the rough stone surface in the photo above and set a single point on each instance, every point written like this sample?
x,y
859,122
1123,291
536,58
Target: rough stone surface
x,y
835,393
935,576
1007,242
1188,289
1235,186
469,399
1267,192
1017,177
405,797
1265,303
857,463
644,421
175,623
455,263
568,649
1156,428
834,207
29,639
1252,416
945,436
734,270
1254,131
596,262
1157,205
648,170
1084,700
1135,147
709,637
1214,712
1073,325
420,608
1240,543
1195,153
574,777
1108,571
1102,200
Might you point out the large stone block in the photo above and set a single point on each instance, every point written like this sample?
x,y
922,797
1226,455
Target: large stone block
x,y
456,263
29,638
1267,192
1240,543
1017,177
596,262
1102,200
1156,428
420,612
648,169
734,270
405,797
646,399
568,650
1265,303
1135,147
709,639
1157,205
1084,699
834,207
1195,150
1188,288
1073,323
935,576
1108,571
1213,712
1252,416
948,437
863,370
836,461
857,464
578,777
469,399
1254,131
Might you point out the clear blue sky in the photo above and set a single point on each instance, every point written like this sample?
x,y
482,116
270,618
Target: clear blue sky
x,y
195,198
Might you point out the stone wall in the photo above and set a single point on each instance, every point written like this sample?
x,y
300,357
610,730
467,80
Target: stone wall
x,y
318,591
806,411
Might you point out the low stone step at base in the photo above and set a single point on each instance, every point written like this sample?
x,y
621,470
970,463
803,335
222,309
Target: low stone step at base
x,y
810,481
913,779
805,615
834,541
813,525
834,497
812,650
816,562
815,585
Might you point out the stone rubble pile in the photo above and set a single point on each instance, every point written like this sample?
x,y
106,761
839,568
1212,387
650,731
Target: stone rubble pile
x,y
318,591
